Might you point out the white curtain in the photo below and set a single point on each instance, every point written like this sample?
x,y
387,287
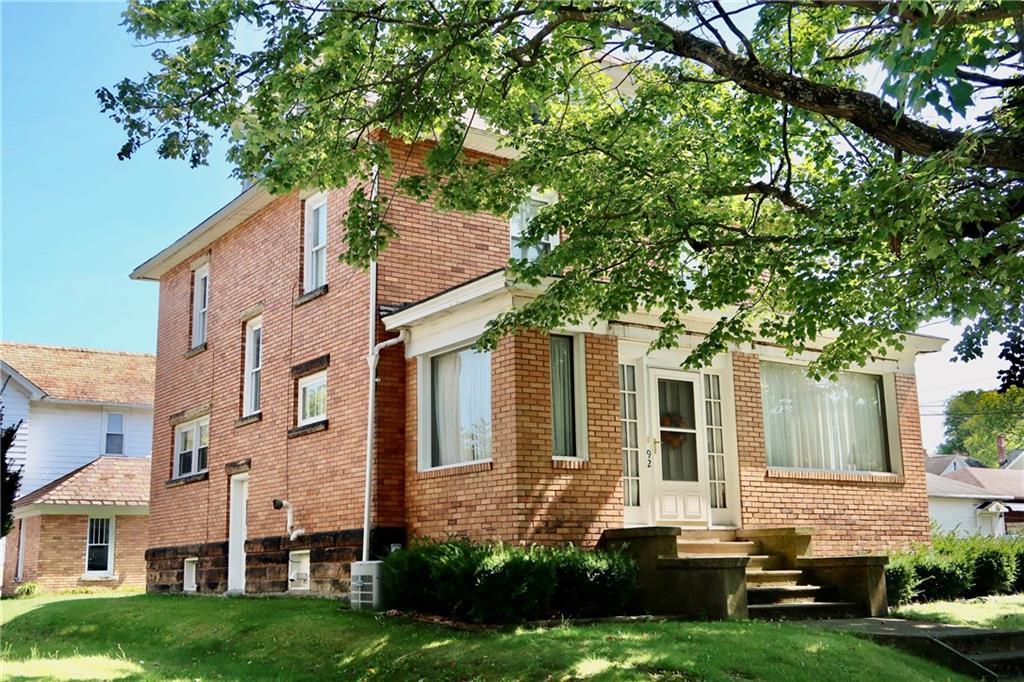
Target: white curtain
x,y
838,426
461,407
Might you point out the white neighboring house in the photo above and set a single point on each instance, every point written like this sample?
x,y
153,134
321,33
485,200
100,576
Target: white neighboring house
x,y
74,405
1014,460
943,465
955,506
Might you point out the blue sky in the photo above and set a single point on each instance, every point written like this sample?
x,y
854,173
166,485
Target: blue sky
x,y
76,220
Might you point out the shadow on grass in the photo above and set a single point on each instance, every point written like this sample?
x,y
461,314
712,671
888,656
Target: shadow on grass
x,y
150,637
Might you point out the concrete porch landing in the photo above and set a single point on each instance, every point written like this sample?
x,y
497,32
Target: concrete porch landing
x,y
983,654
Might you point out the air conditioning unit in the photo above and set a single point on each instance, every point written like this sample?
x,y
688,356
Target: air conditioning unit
x,y
365,591
298,571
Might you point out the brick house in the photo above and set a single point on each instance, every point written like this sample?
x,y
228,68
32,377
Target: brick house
x,y
85,529
262,394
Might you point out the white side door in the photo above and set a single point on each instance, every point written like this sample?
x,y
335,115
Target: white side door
x,y
680,462
237,532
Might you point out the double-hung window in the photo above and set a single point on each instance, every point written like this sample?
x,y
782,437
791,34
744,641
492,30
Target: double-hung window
x,y
315,249
113,436
312,398
521,218
460,408
252,381
191,447
824,425
200,303
568,402
99,549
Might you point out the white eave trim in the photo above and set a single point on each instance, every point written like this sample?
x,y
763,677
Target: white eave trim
x,y
472,292
205,233
96,509
34,392
99,403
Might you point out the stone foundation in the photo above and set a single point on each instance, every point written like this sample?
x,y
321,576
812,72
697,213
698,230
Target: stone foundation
x,y
331,554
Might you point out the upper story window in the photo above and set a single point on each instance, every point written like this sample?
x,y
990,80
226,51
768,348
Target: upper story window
x,y
200,303
99,547
191,447
313,398
522,216
824,425
315,243
113,436
252,380
568,403
460,408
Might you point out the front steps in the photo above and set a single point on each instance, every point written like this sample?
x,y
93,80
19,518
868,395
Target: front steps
x,y
1001,652
774,592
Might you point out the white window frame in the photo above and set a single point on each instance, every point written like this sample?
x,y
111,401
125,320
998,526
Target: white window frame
x,y
253,373
111,531
552,240
579,389
187,585
305,383
425,403
302,558
106,431
309,277
200,304
195,427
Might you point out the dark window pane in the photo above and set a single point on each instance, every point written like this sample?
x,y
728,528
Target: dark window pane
x,y
185,463
98,556
201,466
115,444
563,417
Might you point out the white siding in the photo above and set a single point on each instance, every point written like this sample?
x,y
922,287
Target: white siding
x,y
960,516
65,437
16,407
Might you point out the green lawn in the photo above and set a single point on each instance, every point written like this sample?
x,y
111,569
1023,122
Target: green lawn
x,y
1005,611
147,637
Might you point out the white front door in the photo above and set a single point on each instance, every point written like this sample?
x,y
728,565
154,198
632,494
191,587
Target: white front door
x,y
681,488
237,532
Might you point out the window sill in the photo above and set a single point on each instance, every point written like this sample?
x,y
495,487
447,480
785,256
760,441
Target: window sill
x,y
251,419
456,469
184,480
87,578
569,463
297,431
194,351
309,296
837,476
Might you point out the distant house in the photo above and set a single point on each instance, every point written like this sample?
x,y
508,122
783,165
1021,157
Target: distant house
x,y
1001,482
1015,460
85,529
965,509
941,465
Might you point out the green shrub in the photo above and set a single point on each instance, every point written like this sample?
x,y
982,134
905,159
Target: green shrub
x,y
944,577
995,570
28,589
503,584
901,579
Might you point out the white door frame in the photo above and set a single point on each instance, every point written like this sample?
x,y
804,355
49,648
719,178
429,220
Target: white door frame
x,y
237,532
678,501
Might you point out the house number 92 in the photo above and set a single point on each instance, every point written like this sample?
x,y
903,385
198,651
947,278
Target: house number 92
x,y
649,459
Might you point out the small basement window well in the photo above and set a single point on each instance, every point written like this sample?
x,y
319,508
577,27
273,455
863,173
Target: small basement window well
x,y
298,571
189,582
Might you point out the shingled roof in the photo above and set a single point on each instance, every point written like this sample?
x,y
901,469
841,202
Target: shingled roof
x,y
107,480
83,374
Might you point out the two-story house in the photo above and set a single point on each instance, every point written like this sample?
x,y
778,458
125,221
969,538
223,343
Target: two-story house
x,y
262,388
83,445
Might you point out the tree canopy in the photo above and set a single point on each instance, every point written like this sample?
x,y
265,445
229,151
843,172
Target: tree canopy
x,y
803,165
974,419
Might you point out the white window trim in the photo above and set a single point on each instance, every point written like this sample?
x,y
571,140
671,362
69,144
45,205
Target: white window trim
x,y
892,423
312,203
424,402
194,427
185,587
200,333
123,434
300,554
110,547
306,382
579,389
249,369
548,198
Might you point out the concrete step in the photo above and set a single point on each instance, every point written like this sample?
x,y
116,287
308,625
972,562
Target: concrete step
x,y
822,610
760,576
985,641
784,594
764,561
718,547
722,535
1003,663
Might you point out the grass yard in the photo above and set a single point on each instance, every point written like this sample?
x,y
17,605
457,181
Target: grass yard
x,y
1006,611
149,637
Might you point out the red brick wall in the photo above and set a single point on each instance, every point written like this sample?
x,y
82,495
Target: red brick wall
x,y
55,552
855,515
523,495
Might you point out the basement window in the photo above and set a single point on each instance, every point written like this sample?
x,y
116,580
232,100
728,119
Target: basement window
x,y
191,568
298,571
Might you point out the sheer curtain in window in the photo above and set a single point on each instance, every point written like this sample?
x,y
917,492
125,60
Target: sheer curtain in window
x,y
460,407
838,426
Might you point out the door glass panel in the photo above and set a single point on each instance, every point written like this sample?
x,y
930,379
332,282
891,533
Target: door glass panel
x,y
630,447
678,430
